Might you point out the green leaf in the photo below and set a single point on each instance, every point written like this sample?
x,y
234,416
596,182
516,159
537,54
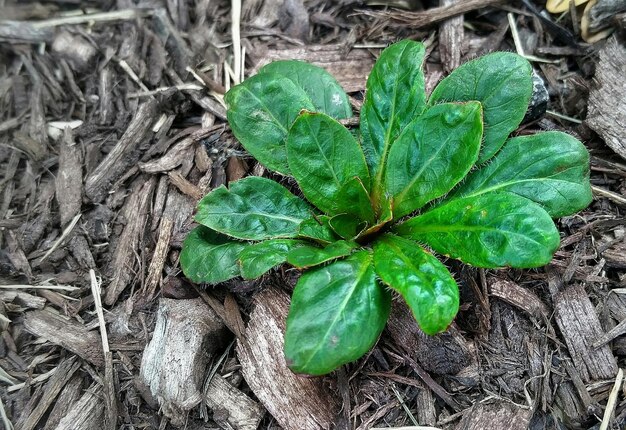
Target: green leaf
x,y
260,111
309,255
394,97
347,226
318,229
337,313
502,82
322,88
551,169
433,154
421,279
259,258
209,257
254,208
354,199
323,156
490,230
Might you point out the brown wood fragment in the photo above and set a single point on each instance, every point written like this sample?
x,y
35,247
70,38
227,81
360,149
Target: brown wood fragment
x,y
497,415
350,70
579,324
22,299
451,38
185,186
606,109
232,408
67,398
86,414
179,152
296,402
522,298
66,333
69,179
124,155
174,363
16,255
153,280
123,262
54,386
434,15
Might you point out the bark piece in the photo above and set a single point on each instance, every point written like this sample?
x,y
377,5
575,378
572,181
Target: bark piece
x,y
350,70
75,49
86,414
232,408
61,376
124,155
123,263
66,333
69,180
498,415
443,354
519,297
67,398
451,39
578,321
607,112
174,363
295,402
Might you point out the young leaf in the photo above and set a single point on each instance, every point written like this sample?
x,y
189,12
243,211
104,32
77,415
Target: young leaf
x,y
309,255
347,226
318,229
502,83
254,208
260,111
433,154
551,169
337,313
323,156
209,257
421,279
353,199
322,88
394,97
490,230
259,258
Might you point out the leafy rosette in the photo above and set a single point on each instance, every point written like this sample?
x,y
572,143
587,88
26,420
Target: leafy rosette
x,y
425,175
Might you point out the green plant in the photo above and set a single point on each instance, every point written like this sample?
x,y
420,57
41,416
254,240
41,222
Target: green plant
x,y
377,202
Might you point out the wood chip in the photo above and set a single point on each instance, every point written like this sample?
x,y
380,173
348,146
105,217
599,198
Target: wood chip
x,y
66,333
69,178
579,324
497,415
606,109
296,402
174,363
86,414
451,36
520,297
124,155
232,408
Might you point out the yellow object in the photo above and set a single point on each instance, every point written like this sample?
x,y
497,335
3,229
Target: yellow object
x,y
587,35
558,6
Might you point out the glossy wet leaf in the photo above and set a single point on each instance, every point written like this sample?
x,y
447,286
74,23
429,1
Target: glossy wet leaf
x,y
433,153
310,255
422,280
253,208
353,199
261,257
337,313
318,229
394,97
323,156
551,169
322,88
209,257
347,226
502,83
490,230
260,111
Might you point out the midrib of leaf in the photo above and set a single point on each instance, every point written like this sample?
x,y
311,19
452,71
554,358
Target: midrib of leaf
x,y
266,108
520,181
399,198
344,302
259,214
406,260
434,228
330,167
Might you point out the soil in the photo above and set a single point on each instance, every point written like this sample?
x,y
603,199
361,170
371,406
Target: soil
x,y
113,126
